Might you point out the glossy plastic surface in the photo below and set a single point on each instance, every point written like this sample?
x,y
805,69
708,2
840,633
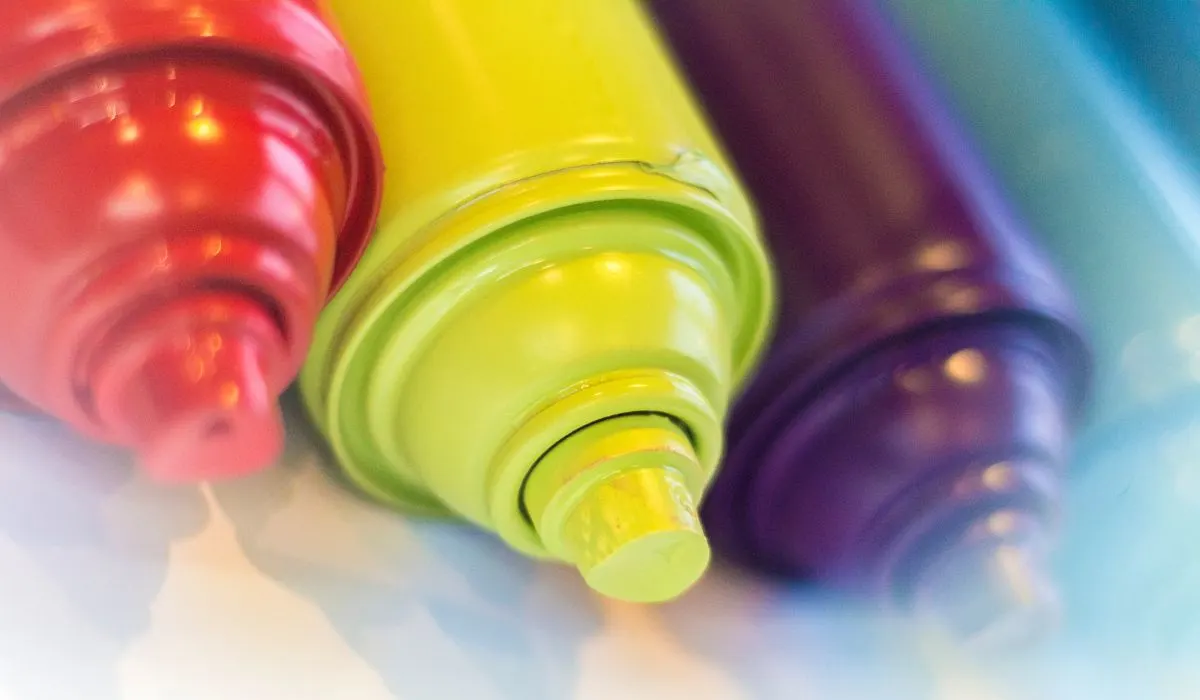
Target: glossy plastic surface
x,y
909,428
181,187
1116,205
564,245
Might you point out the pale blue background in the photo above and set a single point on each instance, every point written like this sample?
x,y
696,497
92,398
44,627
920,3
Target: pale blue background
x,y
285,585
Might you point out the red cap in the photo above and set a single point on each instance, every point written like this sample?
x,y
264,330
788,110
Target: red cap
x,y
176,204
192,386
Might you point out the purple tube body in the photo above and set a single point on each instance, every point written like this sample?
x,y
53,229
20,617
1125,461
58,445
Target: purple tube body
x,y
907,434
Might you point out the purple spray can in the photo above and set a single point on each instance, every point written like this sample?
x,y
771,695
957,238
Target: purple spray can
x,y
906,437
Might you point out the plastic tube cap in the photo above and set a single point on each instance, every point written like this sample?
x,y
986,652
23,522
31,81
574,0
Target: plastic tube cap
x,y
636,536
193,388
617,500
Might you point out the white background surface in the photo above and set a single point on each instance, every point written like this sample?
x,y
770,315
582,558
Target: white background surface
x,y
285,585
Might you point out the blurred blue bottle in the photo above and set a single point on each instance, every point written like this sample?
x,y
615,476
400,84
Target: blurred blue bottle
x,y
1118,207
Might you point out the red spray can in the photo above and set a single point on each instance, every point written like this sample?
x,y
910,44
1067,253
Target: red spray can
x,y
182,186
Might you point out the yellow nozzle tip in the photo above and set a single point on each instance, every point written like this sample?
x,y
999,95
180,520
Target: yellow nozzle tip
x,y
636,536
652,569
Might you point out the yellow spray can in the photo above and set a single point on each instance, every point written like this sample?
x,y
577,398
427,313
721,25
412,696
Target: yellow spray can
x,y
566,287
